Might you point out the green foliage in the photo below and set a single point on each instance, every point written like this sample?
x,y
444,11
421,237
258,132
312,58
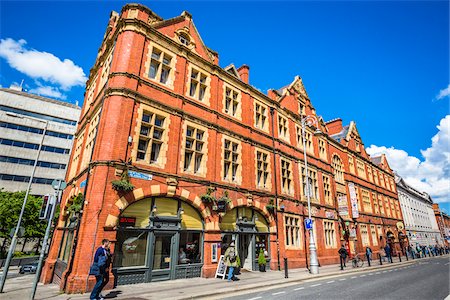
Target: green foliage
x,y
10,206
124,184
271,205
261,258
225,197
76,205
208,198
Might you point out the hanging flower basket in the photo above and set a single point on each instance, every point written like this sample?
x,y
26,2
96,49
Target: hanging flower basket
x,y
208,197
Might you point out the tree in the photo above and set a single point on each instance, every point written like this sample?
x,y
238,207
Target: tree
x,y
10,206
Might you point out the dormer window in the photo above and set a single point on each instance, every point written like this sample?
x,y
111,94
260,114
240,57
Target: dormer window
x,y
184,39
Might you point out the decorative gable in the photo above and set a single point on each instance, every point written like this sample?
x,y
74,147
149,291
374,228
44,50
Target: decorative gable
x,y
232,70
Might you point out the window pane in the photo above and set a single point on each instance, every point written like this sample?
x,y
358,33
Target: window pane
x,y
131,249
161,254
156,147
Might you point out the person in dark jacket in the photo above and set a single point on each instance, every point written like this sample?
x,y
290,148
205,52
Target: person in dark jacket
x,y
387,249
103,258
343,255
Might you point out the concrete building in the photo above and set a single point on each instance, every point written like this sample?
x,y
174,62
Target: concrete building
x,y
210,160
22,122
418,215
443,221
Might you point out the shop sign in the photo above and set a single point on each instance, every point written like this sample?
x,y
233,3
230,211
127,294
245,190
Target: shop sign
x,y
127,221
221,268
83,184
342,205
140,175
330,214
353,200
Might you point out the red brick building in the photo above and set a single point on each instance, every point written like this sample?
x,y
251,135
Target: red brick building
x,y
210,160
443,221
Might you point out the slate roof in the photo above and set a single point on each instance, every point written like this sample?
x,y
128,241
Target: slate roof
x,y
341,135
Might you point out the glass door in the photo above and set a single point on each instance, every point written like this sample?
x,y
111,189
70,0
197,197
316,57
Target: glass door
x,y
163,255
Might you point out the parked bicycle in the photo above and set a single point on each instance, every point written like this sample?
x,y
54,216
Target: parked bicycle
x,y
357,262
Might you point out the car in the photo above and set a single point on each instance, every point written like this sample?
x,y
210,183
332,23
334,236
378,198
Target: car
x,y
29,268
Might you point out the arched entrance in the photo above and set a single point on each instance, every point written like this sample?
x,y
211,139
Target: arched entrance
x,y
249,230
158,238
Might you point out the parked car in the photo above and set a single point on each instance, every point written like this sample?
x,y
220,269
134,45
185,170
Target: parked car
x,y
29,268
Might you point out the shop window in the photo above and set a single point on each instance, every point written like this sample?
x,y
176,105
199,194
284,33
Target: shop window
x,y
132,249
189,248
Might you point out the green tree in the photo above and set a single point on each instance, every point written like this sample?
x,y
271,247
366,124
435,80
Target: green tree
x,y
10,206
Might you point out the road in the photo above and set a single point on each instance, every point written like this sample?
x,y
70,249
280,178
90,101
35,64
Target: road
x,y
423,279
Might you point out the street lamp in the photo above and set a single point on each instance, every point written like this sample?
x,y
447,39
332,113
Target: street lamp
x,y
12,247
313,262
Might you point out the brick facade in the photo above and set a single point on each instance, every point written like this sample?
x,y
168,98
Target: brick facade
x,y
123,87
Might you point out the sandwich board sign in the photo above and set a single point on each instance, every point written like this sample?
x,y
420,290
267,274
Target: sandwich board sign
x,y
221,268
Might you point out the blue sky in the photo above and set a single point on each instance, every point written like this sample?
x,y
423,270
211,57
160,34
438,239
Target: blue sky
x,y
381,64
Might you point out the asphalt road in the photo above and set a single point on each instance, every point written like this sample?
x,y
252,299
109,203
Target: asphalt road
x,y
424,279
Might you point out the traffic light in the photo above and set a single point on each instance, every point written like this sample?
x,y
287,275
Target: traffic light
x,y
45,208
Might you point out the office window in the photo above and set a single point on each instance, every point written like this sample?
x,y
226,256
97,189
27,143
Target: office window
x,y
90,92
373,232
198,85
231,103
151,135
261,111
327,190
391,181
329,234
231,160
283,127
392,206
322,149
351,164
382,180
337,169
292,231
375,204
160,66
375,177
366,201
313,185
380,204
361,169
194,150
262,169
386,182
106,67
364,235
302,108
386,206
90,139
369,173
286,177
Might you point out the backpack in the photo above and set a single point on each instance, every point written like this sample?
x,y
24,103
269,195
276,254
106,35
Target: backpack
x,y
232,256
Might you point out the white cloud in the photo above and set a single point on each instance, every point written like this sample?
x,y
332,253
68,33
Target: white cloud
x,y
444,93
430,174
49,91
41,65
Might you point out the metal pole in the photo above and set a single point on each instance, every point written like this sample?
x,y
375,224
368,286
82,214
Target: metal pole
x,y
44,243
12,247
313,263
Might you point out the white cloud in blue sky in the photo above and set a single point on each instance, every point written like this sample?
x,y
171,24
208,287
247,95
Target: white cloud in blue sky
x,y
444,93
432,174
42,66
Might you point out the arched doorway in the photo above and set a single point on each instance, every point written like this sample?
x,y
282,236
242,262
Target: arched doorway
x,y
158,238
249,230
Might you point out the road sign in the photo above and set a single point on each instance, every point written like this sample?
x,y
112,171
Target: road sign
x,y
308,223
140,175
59,184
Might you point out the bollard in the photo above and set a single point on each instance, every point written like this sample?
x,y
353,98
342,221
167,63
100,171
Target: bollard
x,y
286,268
399,257
381,262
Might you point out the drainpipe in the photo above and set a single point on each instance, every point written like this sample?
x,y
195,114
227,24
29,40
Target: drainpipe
x,y
272,110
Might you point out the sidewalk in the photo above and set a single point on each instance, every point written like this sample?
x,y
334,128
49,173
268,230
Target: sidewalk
x,y
18,288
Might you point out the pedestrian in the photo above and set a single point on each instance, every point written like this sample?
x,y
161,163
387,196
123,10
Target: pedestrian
x,y
231,261
100,268
368,254
343,255
387,249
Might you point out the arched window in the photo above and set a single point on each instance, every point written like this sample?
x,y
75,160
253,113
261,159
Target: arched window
x,y
338,169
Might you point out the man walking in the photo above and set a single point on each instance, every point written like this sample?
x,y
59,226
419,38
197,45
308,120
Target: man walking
x,y
100,268
343,255
387,249
231,261
368,255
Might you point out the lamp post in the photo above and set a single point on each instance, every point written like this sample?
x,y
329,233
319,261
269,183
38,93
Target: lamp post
x,y
313,262
12,247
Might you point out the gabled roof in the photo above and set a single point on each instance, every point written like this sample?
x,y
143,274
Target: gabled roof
x,y
232,70
341,135
376,160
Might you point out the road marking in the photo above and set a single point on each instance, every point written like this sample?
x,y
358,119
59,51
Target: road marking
x,y
330,281
255,298
278,293
370,274
446,264
300,288
342,279
316,284
353,277
390,271
395,269
377,273
362,276
384,271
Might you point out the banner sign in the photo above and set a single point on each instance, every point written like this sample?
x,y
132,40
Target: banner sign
x,y
342,205
353,200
